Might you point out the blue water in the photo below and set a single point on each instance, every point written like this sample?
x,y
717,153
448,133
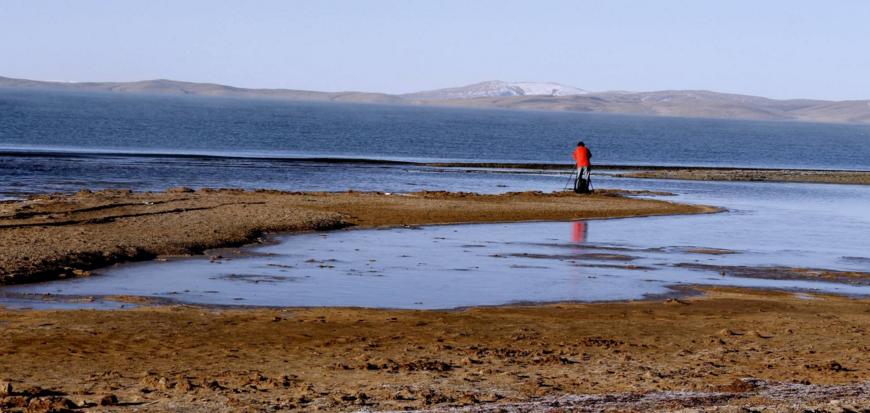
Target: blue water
x,y
26,175
93,131
144,123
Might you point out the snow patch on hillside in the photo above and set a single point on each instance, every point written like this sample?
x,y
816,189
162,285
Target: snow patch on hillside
x,y
547,89
497,88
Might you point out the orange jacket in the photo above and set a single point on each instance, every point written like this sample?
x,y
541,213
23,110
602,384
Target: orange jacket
x,y
582,155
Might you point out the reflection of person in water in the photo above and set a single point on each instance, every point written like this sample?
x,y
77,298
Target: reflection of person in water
x,y
579,233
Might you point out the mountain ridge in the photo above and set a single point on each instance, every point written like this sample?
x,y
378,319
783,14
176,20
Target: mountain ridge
x,y
679,103
174,87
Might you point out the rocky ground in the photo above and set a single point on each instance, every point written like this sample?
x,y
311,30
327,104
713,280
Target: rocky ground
x,y
728,351
729,348
704,174
54,236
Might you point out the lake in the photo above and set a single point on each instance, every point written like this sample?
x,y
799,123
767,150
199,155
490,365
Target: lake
x,y
114,140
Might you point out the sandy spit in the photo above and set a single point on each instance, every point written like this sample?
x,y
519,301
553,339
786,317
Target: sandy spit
x,y
56,236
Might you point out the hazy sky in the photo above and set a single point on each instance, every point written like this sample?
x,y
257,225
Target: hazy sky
x,y
780,49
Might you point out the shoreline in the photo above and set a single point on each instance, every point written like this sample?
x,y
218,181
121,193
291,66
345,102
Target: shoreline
x,y
740,344
679,172
757,175
61,153
682,291
62,236
634,171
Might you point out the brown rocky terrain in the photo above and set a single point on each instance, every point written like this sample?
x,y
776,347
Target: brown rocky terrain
x,y
56,236
735,348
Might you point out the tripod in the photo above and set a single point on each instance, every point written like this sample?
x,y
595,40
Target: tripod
x,y
570,178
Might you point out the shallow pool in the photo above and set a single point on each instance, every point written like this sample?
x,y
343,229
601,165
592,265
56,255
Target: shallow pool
x,y
768,225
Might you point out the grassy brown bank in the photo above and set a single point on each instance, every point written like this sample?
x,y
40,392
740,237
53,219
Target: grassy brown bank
x,y
185,358
55,236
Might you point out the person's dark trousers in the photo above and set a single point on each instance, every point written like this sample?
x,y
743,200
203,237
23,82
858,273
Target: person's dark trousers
x,y
581,183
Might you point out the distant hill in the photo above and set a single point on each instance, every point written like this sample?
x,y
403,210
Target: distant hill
x,y
522,95
172,87
497,88
685,103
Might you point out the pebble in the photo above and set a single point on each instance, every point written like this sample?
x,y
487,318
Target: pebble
x,y
108,400
5,388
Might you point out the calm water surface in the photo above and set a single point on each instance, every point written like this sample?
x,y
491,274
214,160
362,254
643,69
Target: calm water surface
x,y
768,225
95,130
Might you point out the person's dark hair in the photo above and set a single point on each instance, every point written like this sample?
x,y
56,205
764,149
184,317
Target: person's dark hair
x,y
581,143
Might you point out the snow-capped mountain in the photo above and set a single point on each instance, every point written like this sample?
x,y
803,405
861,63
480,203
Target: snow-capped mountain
x,y
496,88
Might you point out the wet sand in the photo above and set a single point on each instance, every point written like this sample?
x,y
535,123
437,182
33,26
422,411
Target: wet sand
x,y
59,236
715,174
187,358
781,273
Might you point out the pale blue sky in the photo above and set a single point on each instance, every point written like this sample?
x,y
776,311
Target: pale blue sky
x,y
780,49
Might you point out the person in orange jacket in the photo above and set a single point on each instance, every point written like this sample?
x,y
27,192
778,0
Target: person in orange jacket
x,y
582,155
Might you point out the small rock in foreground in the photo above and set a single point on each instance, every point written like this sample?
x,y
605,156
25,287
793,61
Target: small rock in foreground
x,y
108,400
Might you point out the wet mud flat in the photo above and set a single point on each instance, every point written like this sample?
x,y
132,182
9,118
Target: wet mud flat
x,y
785,273
475,265
61,236
732,347
773,175
460,266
